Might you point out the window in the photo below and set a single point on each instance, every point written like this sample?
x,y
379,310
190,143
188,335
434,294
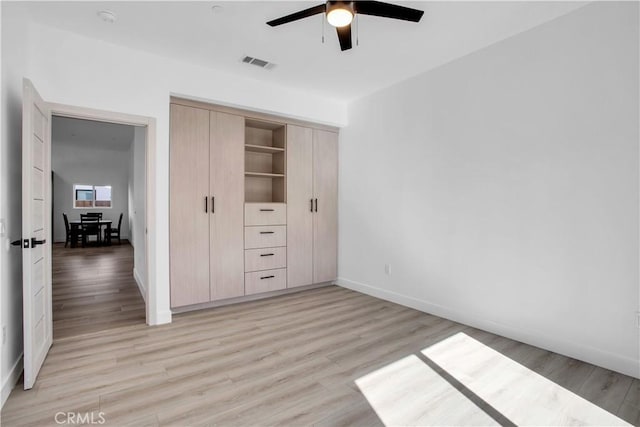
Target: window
x,y
91,196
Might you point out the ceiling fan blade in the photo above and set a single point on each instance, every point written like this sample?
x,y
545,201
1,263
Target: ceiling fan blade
x,y
344,35
387,10
321,8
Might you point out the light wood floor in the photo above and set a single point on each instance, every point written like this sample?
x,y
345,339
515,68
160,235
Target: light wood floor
x,y
290,360
94,289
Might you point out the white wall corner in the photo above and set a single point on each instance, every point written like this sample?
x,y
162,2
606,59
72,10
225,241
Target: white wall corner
x,y
11,380
574,350
141,285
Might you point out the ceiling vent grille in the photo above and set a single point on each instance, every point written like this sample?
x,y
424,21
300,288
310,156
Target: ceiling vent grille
x,y
258,62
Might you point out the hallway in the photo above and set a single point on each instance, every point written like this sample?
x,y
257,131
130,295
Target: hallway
x,y
94,290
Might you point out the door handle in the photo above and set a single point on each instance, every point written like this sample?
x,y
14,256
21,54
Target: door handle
x,y
35,242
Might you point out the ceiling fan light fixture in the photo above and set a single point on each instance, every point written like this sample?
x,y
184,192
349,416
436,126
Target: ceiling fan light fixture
x,y
340,14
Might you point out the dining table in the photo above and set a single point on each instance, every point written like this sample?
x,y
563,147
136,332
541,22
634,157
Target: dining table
x,y
76,225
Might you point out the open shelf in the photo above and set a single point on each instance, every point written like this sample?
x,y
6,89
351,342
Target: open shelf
x,y
263,149
264,188
264,161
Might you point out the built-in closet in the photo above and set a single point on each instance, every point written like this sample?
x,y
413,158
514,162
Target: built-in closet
x,y
253,204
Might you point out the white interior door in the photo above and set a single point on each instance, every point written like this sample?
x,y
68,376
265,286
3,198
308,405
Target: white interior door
x,y
36,232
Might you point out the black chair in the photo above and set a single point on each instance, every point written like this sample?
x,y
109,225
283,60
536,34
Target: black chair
x,y
77,233
113,232
90,225
92,214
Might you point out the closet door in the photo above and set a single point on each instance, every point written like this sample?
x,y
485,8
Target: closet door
x,y
227,211
188,214
325,222
299,209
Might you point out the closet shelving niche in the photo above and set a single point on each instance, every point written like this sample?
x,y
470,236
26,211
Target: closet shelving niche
x,y
265,162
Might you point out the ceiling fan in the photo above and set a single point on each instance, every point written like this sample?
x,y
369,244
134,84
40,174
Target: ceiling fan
x,y
341,13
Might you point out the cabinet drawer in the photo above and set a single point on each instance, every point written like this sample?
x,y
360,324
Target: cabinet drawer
x,y
265,237
265,214
265,259
265,281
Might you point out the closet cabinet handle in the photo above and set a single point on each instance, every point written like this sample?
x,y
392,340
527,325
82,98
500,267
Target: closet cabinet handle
x,y
213,205
316,205
267,254
266,232
206,205
267,277
311,207
266,210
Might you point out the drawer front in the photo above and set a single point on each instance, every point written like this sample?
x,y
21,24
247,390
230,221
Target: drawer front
x,y
265,236
265,214
265,259
265,281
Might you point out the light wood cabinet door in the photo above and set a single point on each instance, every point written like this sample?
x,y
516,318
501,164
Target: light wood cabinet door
x,y
299,208
227,213
325,222
188,221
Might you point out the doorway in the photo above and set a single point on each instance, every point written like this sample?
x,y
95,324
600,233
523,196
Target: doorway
x,y
98,215
36,241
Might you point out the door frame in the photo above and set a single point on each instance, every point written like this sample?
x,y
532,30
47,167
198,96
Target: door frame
x,y
76,112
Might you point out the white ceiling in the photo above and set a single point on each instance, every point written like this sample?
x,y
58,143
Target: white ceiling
x,y
78,132
389,50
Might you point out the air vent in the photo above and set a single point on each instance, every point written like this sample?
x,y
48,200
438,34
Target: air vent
x,y
258,62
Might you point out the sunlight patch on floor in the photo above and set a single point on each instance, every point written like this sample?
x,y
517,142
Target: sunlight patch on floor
x,y
520,394
461,381
408,392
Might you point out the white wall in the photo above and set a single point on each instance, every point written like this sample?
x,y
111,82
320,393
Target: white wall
x,y
93,165
15,39
502,188
137,199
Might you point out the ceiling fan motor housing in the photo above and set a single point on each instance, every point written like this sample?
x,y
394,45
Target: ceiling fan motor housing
x,y
348,5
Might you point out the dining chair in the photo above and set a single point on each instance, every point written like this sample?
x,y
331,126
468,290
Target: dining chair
x,y
90,227
98,214
113,232
70,236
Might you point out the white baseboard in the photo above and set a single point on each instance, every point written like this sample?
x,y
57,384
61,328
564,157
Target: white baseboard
x,y
605,359
10,382
141,286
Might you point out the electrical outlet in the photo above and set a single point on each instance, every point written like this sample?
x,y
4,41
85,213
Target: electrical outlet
x,y
387,269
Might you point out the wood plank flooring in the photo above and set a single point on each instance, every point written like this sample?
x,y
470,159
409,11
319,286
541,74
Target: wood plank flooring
x,y
290,360
94,289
